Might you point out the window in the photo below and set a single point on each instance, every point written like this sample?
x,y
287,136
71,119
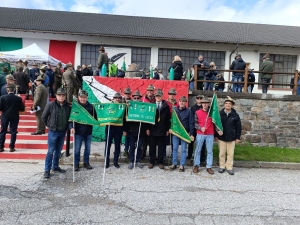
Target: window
x,y
188,57
284,64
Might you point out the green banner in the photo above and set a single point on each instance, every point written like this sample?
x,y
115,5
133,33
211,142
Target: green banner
x,y
214,113
141,112
177,128
81,115
110,113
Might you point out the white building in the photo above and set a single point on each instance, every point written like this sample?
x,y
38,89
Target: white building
x,y
76,37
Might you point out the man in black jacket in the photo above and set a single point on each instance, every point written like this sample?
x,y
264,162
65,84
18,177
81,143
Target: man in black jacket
x,y
10,105
22,80
135,131
83,132
194,108
201,63
55,117
159,131
232,129
85,72
238,64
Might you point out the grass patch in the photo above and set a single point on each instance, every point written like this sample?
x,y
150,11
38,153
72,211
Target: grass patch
x,y
247,152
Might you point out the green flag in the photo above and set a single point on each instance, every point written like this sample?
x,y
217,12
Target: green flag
x,y
110,113
177,128
81,115
141,112
188,75
151,72
124,65
215,114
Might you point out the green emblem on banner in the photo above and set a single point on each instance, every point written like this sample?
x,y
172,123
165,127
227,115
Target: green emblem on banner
x,y
110,113
141,112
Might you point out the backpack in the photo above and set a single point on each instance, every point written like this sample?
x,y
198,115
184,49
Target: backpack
x,y
112,70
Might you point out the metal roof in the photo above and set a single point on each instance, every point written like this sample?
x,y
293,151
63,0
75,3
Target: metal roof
x,y
147,27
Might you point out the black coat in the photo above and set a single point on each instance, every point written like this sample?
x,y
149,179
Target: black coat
x,y
22,80
86,72
33,74
163,125
178,70
232,127
201,73
238,64
84,129
132,128
195,108
10,105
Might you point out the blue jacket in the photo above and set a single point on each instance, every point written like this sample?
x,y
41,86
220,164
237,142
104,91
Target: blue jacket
x,y
32,74
84,129
238,64
186,117
50,74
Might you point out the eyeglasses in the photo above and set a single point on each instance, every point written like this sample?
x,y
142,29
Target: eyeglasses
x,y
199,98
137,98
117,98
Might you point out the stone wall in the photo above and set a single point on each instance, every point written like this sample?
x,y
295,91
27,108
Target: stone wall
x,y
269,121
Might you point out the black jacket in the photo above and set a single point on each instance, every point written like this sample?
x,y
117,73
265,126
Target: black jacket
x,y
201,73
163,125
86,72
132,128
238,64
178,70
10,105
34,73
22,80
232,127
84,129
50,74
50,114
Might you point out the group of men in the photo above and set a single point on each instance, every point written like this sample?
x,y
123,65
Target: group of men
x,y
140,136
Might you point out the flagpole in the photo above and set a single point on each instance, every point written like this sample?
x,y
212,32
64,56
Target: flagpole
x,y
195,156
137,145
105,155
170,147
74,153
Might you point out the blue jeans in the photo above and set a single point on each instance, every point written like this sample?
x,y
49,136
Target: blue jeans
x,y
175,141
237,87
209,140
55,145
220,89
87,148
209,85
192,85
133,142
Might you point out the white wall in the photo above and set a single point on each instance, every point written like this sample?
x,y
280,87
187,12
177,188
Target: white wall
x,y
250,53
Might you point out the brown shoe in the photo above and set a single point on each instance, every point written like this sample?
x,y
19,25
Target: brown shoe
x,y
150,166
161,166
12,150
210,171
1,149
196,169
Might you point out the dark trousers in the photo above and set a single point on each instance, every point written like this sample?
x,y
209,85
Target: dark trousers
x,y
133,145
51,91
115,134
159,142
127,143
145,143
200,83
22,92
13,125
265,87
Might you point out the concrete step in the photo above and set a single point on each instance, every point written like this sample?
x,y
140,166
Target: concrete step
x,y
30,144
28,136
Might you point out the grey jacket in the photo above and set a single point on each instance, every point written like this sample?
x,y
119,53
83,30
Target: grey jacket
x,y
50,114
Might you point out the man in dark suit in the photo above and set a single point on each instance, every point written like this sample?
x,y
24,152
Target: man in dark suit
x,y
22,80
10,105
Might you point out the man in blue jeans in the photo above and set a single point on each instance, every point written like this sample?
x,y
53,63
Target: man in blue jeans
x,y
55,117
237,64
83,132
186,118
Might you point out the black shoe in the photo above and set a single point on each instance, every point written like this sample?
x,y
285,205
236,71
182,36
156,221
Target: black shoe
x,y
58,169
76,168
107,165
189,157
1,149
87,166
221,170
12,150
47,174
116,165
36,133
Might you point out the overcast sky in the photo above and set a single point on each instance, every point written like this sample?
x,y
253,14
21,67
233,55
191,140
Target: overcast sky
x,y
281,12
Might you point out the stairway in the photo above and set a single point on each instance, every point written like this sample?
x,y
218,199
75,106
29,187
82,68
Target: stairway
x,y
28,147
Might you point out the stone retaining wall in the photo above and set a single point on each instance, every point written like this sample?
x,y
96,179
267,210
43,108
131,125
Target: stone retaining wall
x,y
269,121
